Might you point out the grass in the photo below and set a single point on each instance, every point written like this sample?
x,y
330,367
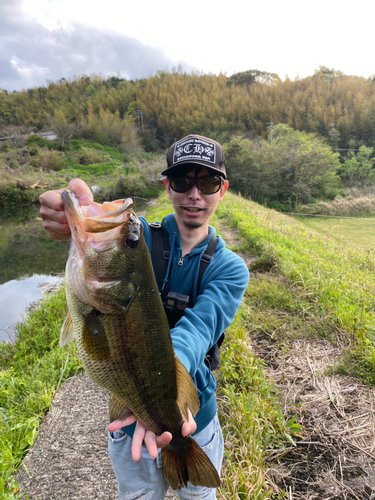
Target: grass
x,y
357,232
338,281
32,370
251,418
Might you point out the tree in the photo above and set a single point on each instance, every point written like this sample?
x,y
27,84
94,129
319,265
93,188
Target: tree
x,y
253,76
63,129
357,169
334,136
296,168
16,134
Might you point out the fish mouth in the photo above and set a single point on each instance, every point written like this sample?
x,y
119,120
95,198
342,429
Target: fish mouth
x,y
97,218
100,226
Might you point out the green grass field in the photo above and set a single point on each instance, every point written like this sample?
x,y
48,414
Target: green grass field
x,y
356,232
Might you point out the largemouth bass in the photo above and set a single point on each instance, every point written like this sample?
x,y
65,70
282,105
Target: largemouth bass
x,y
118,321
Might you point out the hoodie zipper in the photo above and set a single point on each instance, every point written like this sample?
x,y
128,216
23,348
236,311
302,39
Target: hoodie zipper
x,y
181,261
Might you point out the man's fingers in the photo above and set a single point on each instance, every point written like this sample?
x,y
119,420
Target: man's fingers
x,y
82,191
55,222
164,439
117,424
51,200
138,436
52,208
150,442
189,426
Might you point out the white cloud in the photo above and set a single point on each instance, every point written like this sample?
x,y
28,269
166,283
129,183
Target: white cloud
x,y
138,38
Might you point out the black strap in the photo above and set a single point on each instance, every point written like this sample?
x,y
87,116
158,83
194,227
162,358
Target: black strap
x,y
160,256
206,259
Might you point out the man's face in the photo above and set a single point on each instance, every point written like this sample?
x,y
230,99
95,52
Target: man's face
x,y
193,208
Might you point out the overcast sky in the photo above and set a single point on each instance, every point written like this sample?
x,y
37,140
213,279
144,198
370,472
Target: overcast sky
x,y
44,40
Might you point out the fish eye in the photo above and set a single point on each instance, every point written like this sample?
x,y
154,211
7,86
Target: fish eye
x,y
132,241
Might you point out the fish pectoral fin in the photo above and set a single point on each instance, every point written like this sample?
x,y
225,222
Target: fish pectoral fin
x,y
94,337
187,396
67,331
117,410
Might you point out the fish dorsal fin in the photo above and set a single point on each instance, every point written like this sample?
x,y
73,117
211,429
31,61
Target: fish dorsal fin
x,y
67,331
187,397
117,410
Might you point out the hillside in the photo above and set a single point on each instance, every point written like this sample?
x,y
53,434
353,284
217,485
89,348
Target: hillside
x,y
164,106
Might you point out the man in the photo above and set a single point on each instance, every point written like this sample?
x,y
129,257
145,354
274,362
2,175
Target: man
x,y
196,183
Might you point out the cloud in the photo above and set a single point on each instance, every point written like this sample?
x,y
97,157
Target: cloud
x,y
30,54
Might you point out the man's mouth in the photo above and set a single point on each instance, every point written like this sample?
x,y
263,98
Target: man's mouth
x,y
193,210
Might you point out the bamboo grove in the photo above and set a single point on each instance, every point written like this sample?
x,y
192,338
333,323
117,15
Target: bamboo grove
x,y
173,104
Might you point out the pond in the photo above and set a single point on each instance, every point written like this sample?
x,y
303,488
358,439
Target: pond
x,y
30,263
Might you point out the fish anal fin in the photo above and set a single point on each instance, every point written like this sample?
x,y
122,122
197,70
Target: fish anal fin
x,y
67,331
117,410
187,396
189,463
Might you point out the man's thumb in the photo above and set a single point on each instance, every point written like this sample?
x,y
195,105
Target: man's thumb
x,y
82,191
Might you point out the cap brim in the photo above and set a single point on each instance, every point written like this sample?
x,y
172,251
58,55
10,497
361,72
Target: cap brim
x,y
175,168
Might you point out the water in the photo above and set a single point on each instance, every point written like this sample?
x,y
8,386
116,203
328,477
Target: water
x,y
16,297
29,258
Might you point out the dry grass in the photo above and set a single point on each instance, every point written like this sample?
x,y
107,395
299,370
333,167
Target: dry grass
x,y
335,459
356,203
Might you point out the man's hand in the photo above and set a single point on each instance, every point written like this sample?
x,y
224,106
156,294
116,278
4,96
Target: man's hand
x,y
52,208
152,441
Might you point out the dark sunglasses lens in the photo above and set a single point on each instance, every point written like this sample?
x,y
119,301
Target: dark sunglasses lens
x,y
181,184
209,184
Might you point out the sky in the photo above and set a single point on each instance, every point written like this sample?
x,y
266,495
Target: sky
x,y
46,40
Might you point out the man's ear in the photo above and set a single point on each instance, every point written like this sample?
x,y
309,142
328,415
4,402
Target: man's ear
x,y
224,188
167,187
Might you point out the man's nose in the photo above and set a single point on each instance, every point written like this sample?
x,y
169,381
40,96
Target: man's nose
x,y
194,192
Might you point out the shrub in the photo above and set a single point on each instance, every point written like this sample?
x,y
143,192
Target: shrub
x,y
9,195
88,156
35,140
47,159
5,146
126,186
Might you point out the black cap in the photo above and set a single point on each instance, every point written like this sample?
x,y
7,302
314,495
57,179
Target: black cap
x,y
195,150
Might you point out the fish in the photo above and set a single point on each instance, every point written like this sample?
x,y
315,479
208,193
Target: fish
x,y
117,319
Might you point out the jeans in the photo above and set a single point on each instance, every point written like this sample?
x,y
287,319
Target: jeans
x,y
145,479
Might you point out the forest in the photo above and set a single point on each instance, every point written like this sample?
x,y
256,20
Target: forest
x,y
288,143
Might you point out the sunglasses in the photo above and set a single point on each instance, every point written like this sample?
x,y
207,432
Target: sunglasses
x,y
207,184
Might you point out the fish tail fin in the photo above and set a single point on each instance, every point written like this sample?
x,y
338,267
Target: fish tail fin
x,y
189,464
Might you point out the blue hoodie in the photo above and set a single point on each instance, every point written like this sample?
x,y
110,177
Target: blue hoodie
x,y
222,288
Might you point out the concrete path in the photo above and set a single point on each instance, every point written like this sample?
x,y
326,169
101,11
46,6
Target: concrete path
x,y
69,460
